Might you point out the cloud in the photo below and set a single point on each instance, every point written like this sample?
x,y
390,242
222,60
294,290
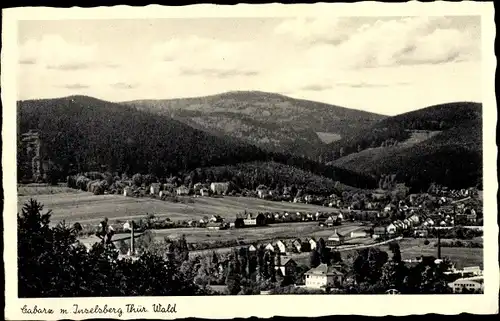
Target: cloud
x,y
218,73
363,84
53,52
199,56
316,88
386,42
75,86
329,30
123,85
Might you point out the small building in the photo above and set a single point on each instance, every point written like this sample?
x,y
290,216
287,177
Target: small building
x,y
262,191
252,248
286,265
216,219
269,247
332,220
281,246
154,189
297,244
215,226
379,231
254,220
127,191
237,222
467,284
313,244
204,191
421,232
336,239
391,228
324,276
182,190
357,234
219,188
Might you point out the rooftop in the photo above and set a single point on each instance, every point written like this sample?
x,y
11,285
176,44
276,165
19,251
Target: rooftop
x,y
324,269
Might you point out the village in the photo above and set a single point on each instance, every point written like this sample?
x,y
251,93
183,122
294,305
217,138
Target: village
x,y
349,222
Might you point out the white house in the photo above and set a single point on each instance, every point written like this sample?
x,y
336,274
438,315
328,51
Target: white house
x,y
127,191
182,190
313,244
323,276
219,188
391,228
154,189
470,284
281,246
252,248
204,191
269,247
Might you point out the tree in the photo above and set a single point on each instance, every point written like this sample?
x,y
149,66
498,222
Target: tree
x,y
367,266
233,281
314,259
137,179
396,252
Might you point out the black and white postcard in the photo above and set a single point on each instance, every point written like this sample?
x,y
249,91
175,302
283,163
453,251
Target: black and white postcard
x,y
250,160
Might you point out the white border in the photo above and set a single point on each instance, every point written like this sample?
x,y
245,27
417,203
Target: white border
x,y
261,306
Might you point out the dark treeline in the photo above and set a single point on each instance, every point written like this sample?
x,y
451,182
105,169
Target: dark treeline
x,y
84,134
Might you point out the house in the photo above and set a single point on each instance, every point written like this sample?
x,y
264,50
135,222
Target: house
x,y
216,219
254,220
269,247
154,189
215,226
262,191
127,191
336,239
324,276
388,208
308,198
414,219
474,270
391,228
285,265
204,191
236,223
313,244
252,248
379,231
219,188
421,232
468,284
297,244
407,222
281,246
182,190
356,234
332,220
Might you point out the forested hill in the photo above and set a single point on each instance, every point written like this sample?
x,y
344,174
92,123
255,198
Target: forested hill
x,y
440,144
271,121
398,128
83,133
89,133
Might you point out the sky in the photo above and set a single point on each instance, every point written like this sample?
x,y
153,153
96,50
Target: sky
x,y
386,65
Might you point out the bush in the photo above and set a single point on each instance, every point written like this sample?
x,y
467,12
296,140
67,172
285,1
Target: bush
x,y
426,242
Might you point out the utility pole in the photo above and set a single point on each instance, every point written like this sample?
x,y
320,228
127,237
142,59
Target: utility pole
x,y
132,245
439,243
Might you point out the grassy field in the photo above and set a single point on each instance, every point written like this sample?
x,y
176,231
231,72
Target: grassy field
x,y
43,189
274,231
460,256
88,208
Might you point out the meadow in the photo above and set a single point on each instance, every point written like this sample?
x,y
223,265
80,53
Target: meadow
x,y
86,208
